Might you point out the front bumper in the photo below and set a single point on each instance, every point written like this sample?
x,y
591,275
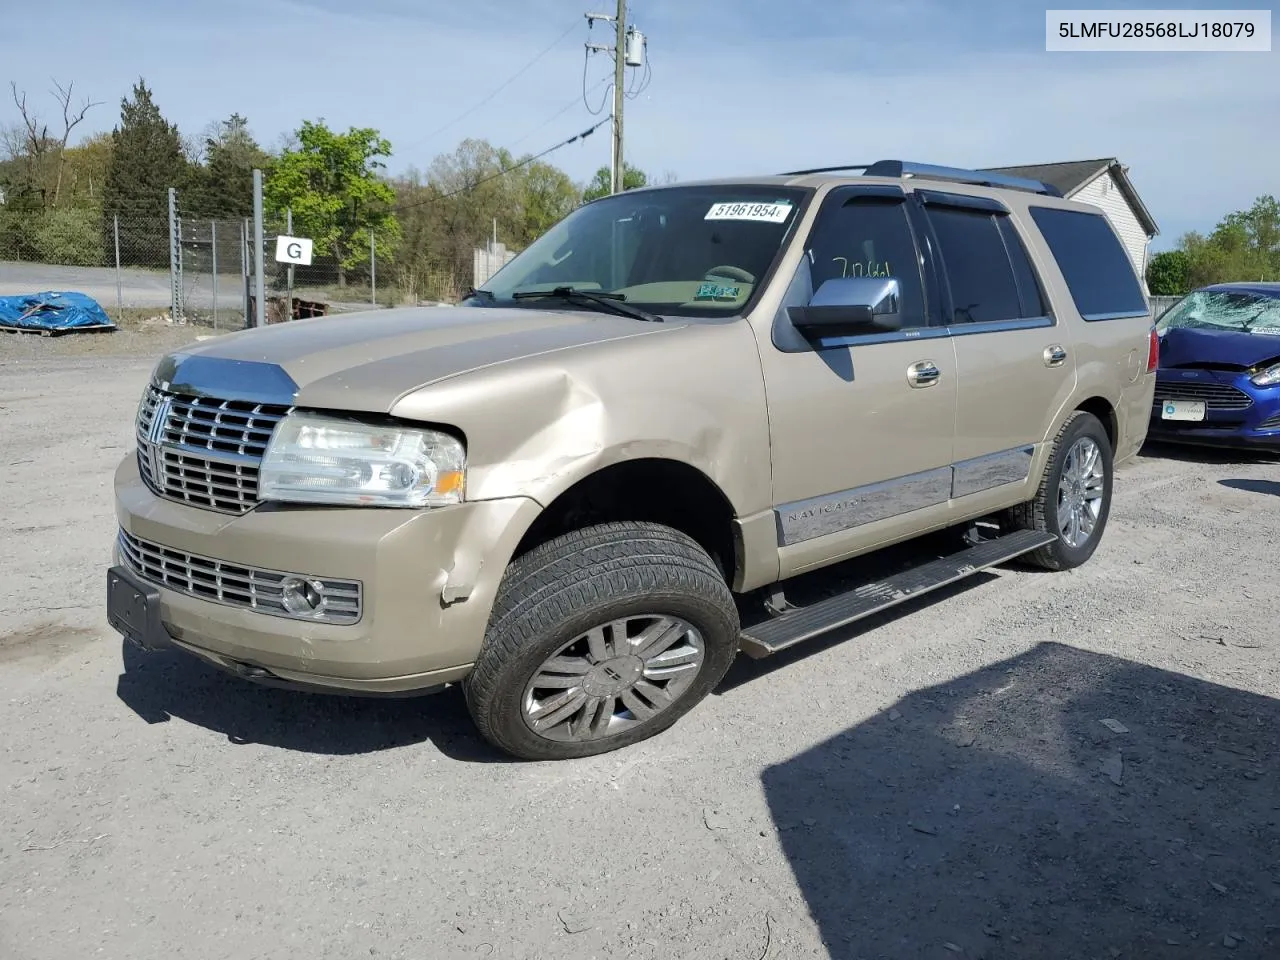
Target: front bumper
x,y
1219,430
1255,426
428,580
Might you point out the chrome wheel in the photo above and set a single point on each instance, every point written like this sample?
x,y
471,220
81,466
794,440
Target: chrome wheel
x,y
615,676
1080,492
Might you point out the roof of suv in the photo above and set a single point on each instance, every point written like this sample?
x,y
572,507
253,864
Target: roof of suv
x,y
886,170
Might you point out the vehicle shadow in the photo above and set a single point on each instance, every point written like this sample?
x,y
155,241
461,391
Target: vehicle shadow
x,y
161,686
1271,487
1061,804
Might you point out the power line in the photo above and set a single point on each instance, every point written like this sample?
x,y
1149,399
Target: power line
x,y
559,113
510,80
502,173
586,60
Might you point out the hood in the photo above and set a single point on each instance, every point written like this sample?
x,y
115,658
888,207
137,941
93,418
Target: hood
x,y
1186,347
367,361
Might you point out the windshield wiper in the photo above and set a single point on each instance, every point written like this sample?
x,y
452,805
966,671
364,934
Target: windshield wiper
x,y
478,294
601,300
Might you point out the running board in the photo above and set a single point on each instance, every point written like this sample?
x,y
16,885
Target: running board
x,y
803,623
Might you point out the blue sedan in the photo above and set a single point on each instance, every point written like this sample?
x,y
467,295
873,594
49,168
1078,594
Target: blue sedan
x,y
1218,382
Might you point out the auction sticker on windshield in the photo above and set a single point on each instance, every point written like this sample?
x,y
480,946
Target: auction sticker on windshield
x,y
766,212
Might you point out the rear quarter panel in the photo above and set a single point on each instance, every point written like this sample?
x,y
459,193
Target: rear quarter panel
x,y
1110,355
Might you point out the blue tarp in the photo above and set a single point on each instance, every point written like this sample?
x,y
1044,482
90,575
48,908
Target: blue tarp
x,y
62,312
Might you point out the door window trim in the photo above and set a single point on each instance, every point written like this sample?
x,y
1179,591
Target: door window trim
x,y
942,198
789,340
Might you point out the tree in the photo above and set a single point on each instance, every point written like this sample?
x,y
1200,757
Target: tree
x,y
146,160
87,165
41,150
632,179
331,184
224,186
454,208
1245,245
546,196
1167,273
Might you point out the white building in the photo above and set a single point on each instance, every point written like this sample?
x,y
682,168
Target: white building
x,y
1104,183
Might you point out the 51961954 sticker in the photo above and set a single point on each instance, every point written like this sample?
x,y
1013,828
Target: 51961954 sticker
x,y
765,212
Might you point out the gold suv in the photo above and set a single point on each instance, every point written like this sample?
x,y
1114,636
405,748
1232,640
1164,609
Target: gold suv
x,y
571,493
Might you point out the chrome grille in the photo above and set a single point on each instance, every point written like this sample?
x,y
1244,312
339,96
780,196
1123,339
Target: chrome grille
x,y
1271,423
203,450
1216,396
235,585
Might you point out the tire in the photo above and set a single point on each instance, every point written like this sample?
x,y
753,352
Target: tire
x,y
1049,509
555,619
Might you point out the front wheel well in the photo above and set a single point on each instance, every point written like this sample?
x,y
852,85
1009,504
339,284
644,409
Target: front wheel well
x,y
648,490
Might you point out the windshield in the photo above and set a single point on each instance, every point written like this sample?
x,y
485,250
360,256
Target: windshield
x,y
684,251
1235,310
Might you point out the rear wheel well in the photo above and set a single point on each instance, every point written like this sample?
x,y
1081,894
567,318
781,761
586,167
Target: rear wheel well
x,y
653,490
1103,410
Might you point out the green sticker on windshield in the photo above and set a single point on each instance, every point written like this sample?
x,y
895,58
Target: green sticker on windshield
x,y
716,291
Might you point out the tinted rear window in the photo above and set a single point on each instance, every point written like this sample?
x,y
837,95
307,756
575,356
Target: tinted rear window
x,y
1094,263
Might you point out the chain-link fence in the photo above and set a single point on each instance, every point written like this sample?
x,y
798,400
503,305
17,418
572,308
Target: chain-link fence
x,y
191,266
342,279
213,271
122,261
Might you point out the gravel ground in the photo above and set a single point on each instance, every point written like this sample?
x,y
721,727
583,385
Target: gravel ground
x,y
1034,765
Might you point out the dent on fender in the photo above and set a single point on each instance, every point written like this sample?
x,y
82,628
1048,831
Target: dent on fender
x,y
556,428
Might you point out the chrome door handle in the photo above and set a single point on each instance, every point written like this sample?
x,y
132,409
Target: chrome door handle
x,y
1054,356
923,373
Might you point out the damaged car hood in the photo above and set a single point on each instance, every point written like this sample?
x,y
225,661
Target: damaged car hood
x,y
1189,347
368,361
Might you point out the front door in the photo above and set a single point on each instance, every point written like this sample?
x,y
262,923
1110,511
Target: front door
x,y
862,426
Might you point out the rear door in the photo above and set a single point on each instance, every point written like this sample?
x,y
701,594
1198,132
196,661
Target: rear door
x,y
861,426
1014,360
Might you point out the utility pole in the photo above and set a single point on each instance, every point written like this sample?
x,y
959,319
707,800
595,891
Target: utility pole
x,y
260,281
628,51
619,71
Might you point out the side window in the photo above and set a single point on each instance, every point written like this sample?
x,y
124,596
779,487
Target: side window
x,y
979,272
1094,263
870,236
1030,293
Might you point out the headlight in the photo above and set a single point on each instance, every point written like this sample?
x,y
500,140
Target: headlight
x,y
1268,377
315,459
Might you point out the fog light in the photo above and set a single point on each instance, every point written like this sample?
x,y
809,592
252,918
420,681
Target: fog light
x,y
302,597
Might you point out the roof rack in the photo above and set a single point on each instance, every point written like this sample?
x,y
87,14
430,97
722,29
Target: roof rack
x,y
845,166
904,168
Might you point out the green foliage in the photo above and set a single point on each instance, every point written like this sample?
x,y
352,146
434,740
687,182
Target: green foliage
x,y
63,235
547,196
462,200
1167,273
17,241
632,179
1245,245
146,160
331,183
85,175
69,236
223,186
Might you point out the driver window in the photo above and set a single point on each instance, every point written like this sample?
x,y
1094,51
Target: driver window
x,y
870,237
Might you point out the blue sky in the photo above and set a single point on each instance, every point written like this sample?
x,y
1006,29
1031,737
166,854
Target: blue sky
x,y
738,86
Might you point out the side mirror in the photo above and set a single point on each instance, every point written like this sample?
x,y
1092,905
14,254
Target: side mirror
x,y
850,305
